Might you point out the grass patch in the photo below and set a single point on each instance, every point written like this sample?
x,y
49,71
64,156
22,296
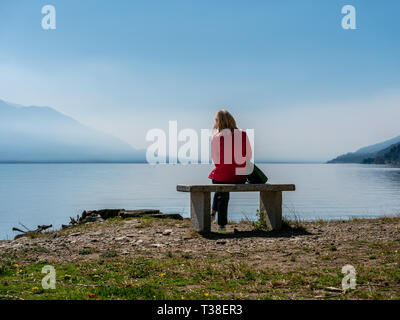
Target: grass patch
x,y
109,254
186,255
145,292
293,224
146,278
85,251
260,223
145,222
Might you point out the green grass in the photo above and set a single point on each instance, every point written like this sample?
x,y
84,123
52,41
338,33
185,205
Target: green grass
x,y
294,223
85,251
181,278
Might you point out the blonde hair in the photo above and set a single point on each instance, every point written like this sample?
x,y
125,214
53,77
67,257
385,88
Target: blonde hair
x,y
224,120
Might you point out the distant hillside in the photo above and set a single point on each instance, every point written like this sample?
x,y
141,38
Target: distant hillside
x,y
353,157
389,155
42,134
379,146
366,154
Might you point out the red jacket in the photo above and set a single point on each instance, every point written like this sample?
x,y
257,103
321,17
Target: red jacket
x,y
230,154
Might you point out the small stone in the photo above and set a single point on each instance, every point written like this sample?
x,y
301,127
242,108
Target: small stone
x,y
167,232
221,241
97,234
75,234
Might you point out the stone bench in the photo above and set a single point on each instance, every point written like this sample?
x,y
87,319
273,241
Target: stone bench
x,y
200,201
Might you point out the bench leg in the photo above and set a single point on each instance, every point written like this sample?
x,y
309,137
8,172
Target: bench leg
x,y
200,211
271,208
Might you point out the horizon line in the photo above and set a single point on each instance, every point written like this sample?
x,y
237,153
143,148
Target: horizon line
x,y
145,162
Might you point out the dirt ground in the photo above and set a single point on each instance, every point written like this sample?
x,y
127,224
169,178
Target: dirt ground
x,y
321,243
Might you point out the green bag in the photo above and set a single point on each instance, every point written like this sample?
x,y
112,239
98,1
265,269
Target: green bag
x,y
257,176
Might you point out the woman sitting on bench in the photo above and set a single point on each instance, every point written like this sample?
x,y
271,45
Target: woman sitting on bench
x,y
231,152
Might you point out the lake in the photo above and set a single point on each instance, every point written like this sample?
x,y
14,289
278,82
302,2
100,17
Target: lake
x,y
35,194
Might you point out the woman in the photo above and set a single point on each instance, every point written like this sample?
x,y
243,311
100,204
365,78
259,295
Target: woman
x,y
231,153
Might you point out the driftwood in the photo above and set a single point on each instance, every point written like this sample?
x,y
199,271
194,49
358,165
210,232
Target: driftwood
x,y
104,214
29,233
137,213
175,216
100,215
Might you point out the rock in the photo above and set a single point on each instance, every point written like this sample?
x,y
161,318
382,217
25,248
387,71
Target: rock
x,y
75,234
120,238
167,232
221,241
93,218
97,234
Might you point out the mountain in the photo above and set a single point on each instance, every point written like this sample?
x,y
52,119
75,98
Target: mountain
x,y
379,146
371,154
353,157
390,155
42,134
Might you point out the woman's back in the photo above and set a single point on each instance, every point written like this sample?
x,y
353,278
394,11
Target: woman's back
x,y
231,152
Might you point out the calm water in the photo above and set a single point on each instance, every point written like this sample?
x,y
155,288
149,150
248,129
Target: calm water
x,y
50,193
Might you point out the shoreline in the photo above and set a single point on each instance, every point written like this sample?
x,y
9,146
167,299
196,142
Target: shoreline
x,y
302,261
246,220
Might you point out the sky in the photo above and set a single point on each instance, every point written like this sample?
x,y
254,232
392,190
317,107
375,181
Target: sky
x,y
310,89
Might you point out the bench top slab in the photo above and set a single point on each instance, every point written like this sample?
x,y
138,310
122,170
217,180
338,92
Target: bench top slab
x,y
234,187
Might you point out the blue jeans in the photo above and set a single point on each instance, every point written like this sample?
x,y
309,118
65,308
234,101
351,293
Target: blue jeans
x,y
220,204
